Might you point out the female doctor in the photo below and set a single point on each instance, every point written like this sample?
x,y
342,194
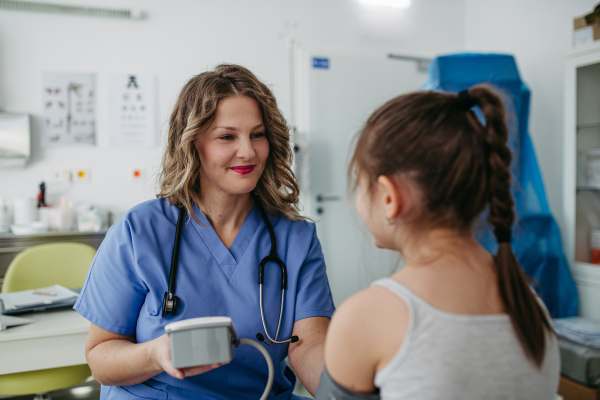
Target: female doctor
x,y
227,139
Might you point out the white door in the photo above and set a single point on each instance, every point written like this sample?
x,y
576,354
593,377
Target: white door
x,y
343,90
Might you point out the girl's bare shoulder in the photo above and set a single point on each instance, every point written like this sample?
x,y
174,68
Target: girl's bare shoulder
x,y
371,323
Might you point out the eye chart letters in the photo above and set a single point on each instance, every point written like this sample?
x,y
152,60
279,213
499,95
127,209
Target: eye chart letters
x,y
132,105
69,109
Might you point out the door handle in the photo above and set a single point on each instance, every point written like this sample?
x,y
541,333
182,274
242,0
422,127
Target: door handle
x,y
321,198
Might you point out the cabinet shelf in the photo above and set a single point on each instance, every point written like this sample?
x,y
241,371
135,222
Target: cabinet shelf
x,y
582,152
590,125
586,268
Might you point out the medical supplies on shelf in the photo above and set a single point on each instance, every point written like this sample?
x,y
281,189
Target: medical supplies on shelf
x,y
579,343
580,330
595,247
581,203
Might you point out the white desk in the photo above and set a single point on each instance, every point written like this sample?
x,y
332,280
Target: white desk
x,y
56,339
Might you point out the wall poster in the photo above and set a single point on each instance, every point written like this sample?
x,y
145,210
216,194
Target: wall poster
x,y
69,109
132,110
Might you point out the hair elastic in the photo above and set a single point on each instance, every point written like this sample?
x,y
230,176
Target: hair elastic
x,y
503,235
466,100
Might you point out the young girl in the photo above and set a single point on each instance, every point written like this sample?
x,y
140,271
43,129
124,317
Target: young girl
x,y
455,322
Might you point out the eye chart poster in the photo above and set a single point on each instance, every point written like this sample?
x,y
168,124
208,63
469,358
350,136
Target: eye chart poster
x,y
69,109
132,110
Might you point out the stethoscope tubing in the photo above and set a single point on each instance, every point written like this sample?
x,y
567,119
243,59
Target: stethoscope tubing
x,y
262,316
170,300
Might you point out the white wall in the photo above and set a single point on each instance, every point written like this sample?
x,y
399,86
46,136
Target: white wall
x,y
538,33
183,37
179,39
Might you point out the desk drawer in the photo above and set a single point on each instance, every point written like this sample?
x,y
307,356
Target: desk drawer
x,y
42,353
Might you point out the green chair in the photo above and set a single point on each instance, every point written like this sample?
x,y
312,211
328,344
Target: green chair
x,y
65,264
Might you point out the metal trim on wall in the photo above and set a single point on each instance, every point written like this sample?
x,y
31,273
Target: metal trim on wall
x,y
422,62
55,8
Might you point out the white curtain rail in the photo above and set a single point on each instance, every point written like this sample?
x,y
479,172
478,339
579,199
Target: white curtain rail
x,y
71,9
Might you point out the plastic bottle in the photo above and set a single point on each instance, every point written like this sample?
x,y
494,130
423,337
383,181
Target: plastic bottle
x,y
595,247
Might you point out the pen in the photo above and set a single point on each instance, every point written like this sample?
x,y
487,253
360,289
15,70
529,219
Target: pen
x,y
44,292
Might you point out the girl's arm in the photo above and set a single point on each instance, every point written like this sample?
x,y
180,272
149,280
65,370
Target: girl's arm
x,y
117,360
365,333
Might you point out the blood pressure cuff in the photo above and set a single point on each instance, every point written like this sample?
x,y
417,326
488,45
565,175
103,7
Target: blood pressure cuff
x,y
329,389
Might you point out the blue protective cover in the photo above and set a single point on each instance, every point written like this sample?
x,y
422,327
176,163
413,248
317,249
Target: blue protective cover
x,y
536,237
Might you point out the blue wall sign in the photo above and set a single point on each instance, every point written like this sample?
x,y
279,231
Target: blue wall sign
x,y
321,62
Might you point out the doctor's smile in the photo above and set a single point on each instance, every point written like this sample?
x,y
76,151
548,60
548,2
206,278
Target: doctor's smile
x,y
245,169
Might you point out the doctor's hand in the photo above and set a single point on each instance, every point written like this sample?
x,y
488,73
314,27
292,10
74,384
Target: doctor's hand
x,y
161,349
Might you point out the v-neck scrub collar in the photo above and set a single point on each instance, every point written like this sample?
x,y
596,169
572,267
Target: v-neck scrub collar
x,y
228,259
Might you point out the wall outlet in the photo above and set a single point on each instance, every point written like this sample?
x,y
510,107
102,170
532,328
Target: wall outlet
x,y
137,174
54,174
81,175
59,174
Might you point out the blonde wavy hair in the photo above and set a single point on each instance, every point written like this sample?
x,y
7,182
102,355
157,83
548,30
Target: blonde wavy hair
x,y
179,178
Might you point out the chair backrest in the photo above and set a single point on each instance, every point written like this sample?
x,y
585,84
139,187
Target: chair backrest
x,y
49,264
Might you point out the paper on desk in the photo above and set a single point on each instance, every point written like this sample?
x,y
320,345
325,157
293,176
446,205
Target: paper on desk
x,y
27,298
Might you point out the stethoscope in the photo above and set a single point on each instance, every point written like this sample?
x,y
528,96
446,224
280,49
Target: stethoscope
x,y
170,300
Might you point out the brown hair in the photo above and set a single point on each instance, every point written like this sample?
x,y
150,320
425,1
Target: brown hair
x,y
461,167
195,110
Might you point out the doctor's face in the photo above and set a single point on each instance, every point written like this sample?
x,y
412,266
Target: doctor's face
x,y
234,149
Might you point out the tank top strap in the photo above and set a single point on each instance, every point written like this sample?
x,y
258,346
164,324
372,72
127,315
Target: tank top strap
x,y
411,302
399,290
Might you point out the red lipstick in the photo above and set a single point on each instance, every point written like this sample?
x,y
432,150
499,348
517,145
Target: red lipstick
x,y
243,169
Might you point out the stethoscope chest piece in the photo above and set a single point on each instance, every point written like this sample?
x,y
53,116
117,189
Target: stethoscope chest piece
x,y
169,304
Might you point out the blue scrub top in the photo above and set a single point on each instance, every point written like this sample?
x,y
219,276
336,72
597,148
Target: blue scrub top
x,y
124,289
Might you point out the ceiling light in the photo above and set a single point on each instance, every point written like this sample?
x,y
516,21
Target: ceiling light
x,y
387,3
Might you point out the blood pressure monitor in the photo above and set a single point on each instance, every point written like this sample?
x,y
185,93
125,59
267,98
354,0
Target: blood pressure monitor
x,y
210,340
202,341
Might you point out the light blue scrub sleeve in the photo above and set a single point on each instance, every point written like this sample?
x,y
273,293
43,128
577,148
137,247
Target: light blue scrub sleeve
x,y
113,292
313,295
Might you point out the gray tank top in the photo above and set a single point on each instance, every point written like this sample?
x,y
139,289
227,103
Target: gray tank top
x,y
449,356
